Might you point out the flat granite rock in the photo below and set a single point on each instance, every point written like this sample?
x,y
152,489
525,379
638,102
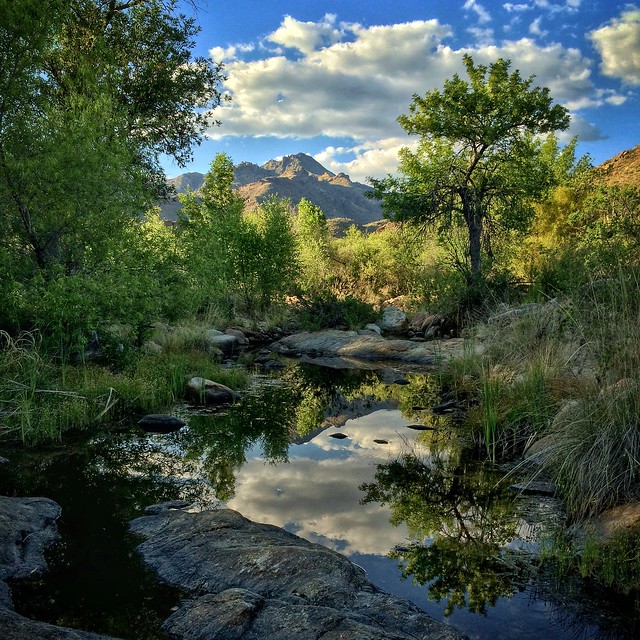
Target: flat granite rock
x,y
365,345
254,581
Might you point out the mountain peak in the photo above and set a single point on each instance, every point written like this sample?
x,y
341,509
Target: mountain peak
x,y
295,165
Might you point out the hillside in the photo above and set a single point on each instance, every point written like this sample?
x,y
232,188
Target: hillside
x,y
623,169
294,177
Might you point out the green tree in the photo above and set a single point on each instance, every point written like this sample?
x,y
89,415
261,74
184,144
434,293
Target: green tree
x,y
477,162
92,92
312,240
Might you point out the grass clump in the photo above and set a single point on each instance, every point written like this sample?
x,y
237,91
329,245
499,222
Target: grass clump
x,y
41,399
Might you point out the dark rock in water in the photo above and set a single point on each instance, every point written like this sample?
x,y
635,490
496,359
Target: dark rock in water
x,y
339,436
251,580
161,423
420,427
166,506
535,488
447,407
380,441
210,392
273,364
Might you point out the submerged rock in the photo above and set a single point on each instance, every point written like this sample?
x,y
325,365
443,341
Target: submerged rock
x,y
255,580
210,392
160,423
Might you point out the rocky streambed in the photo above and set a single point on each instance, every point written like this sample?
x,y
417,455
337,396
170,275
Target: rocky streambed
x,y
242,580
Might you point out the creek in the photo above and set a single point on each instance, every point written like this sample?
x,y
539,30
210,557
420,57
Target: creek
x,y
333,456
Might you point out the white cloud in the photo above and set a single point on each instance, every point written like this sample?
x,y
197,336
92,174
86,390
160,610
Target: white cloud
x,y
619,45
510,7
330,511
356,87
372,158
307,36
535,28
483,15
568,6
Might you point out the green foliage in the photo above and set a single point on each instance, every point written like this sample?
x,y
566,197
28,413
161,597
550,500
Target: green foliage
x,y
312,245
327,311
92,93
477,163
243,260
459,522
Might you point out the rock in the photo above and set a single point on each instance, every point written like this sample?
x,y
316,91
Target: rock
x,y
27,528
229,345
273,364
420,427
504,318
16,627
621,519
380,441
250,580
166,506
151,347
394,320
209,392
338,436
243,341
418,320
161,423
450,406
373,327
367,347
534,488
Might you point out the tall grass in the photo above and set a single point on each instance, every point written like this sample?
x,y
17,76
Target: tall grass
x,y
41,399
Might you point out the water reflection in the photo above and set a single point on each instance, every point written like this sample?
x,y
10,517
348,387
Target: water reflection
x,y
384,494
460,522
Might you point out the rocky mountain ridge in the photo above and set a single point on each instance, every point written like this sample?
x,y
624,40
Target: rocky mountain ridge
x,y
623,169
295,177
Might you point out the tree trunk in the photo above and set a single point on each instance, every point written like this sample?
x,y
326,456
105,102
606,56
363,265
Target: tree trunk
x,y
472,212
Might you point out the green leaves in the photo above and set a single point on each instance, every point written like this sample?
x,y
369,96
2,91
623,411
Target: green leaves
x,y
478,162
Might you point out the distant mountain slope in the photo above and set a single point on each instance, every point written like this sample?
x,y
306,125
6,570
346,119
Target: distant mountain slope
x,y
623,169
294,177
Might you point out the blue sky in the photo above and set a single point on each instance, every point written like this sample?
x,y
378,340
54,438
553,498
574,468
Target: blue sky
x,y
330,78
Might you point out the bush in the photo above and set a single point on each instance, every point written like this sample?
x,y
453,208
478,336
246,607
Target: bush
x,y
328,312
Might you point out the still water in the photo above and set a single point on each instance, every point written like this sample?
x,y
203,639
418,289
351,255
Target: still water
x,y
334,456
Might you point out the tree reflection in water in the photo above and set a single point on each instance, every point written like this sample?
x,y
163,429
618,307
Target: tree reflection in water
x,y
460,522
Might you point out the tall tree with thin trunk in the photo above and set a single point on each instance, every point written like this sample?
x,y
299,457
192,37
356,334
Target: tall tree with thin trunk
x,y
478,161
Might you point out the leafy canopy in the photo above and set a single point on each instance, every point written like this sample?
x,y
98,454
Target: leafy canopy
x,y
478,162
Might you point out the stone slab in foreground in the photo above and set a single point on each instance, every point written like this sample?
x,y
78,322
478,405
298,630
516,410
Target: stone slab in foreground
x,y
254,581
366,345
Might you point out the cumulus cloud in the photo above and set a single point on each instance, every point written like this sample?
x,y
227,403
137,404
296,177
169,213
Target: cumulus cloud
x,y
352,82
308,36
535,28
330,512
482,14
618,43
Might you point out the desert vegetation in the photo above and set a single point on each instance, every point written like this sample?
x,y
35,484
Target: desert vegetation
x,y
497,225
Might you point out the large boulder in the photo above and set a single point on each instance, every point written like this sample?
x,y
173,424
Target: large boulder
x,y
207,391
255,580
394,320
366,346
27,528
228,344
